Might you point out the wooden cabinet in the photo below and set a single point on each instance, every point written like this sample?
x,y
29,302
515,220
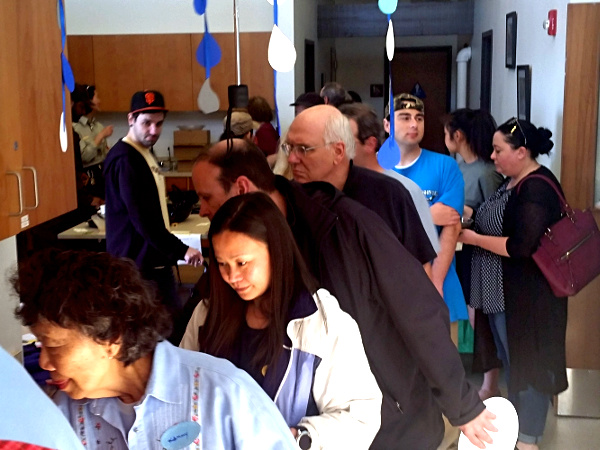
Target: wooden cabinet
x,y
119,65
118,69
38,178
81,58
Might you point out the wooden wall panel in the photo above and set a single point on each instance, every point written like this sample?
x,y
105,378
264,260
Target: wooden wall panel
x,y
81,58
118,65
256,71
167,65
222,75
580,128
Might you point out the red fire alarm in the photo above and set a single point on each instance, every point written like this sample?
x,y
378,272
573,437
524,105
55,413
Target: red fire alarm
x,y
550,24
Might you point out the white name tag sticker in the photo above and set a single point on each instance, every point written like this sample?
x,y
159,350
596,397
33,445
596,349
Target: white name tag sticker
x,y
180,435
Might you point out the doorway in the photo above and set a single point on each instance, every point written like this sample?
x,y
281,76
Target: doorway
x,y
309,65
428,70
485,98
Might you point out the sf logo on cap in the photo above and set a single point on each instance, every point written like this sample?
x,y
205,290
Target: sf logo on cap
x,y
149,98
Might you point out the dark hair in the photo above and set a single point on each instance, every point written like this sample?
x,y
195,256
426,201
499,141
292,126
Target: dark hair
x,y
82,96
478,127
366,120
135,115
354,96
243,158
101,296
335,93
259,109
256,216
521,133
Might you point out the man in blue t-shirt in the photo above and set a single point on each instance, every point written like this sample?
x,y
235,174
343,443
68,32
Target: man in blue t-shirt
x,y
442,184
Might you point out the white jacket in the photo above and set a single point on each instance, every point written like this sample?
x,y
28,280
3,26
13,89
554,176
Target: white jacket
x,y
343,387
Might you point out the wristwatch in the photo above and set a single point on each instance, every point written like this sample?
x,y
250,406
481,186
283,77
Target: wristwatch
x,y
303,438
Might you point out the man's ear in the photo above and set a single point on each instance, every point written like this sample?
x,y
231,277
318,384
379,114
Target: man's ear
x,y
243,185
339,152
386,126
371,144
458,136
130,119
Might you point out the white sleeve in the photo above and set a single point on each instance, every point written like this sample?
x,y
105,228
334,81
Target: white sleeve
x,y
344,389
190,338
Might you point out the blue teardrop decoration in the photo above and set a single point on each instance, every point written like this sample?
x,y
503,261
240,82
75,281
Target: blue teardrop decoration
x,y
200,6
389,153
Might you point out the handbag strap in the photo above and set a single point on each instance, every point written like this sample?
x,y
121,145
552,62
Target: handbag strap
x,y
563,201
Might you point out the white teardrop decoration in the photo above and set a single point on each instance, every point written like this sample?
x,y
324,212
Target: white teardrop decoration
x,y
390,43
281,54
62,133
208,102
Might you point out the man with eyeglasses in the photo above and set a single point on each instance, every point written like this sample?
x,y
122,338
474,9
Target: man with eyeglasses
x,y
353,253
443,186
320,146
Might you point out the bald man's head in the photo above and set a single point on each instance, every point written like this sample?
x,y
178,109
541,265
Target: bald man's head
x,y
319,144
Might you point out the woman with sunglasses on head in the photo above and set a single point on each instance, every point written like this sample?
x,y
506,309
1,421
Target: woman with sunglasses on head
x,y
469,133
527,319
266,315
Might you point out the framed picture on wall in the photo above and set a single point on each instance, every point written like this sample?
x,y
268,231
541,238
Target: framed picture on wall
x,y
511,40
524,93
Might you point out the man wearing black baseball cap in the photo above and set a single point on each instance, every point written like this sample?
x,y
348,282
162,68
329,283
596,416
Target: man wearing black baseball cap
x,y
137,221
306,100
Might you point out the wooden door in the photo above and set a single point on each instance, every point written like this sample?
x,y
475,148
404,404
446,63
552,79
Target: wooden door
x,y
578,163
10,131
430,67
46,168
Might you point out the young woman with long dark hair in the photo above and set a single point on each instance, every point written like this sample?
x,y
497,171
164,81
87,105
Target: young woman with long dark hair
x,y
266,315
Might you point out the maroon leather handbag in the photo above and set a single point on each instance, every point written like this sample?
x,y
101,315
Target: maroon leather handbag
x,y
569,251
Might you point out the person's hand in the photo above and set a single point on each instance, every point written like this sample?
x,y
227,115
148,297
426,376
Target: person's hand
x,y
468,237
97,202
193,257
476,430
294,431
444,215
108,131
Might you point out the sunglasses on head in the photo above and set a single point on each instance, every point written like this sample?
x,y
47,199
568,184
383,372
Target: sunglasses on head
x,y
515,124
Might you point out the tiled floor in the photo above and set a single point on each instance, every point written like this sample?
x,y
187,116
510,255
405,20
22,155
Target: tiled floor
x,y
562,433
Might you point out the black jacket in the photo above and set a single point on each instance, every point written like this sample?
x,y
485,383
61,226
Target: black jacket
x,y
135,227
403,321
392,202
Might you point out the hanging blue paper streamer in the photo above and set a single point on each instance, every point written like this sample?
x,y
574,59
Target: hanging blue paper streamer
x,y
387,6
208,53
68,79
200,6
67,73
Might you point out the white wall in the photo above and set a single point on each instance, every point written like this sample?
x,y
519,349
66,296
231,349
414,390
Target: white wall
x,y
545,54
10,328
85,17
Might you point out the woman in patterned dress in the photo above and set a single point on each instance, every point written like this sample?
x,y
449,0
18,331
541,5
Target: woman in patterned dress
x,y
527,319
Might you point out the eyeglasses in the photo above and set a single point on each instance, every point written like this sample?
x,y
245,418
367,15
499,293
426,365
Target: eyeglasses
x,y
518,125
302,150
